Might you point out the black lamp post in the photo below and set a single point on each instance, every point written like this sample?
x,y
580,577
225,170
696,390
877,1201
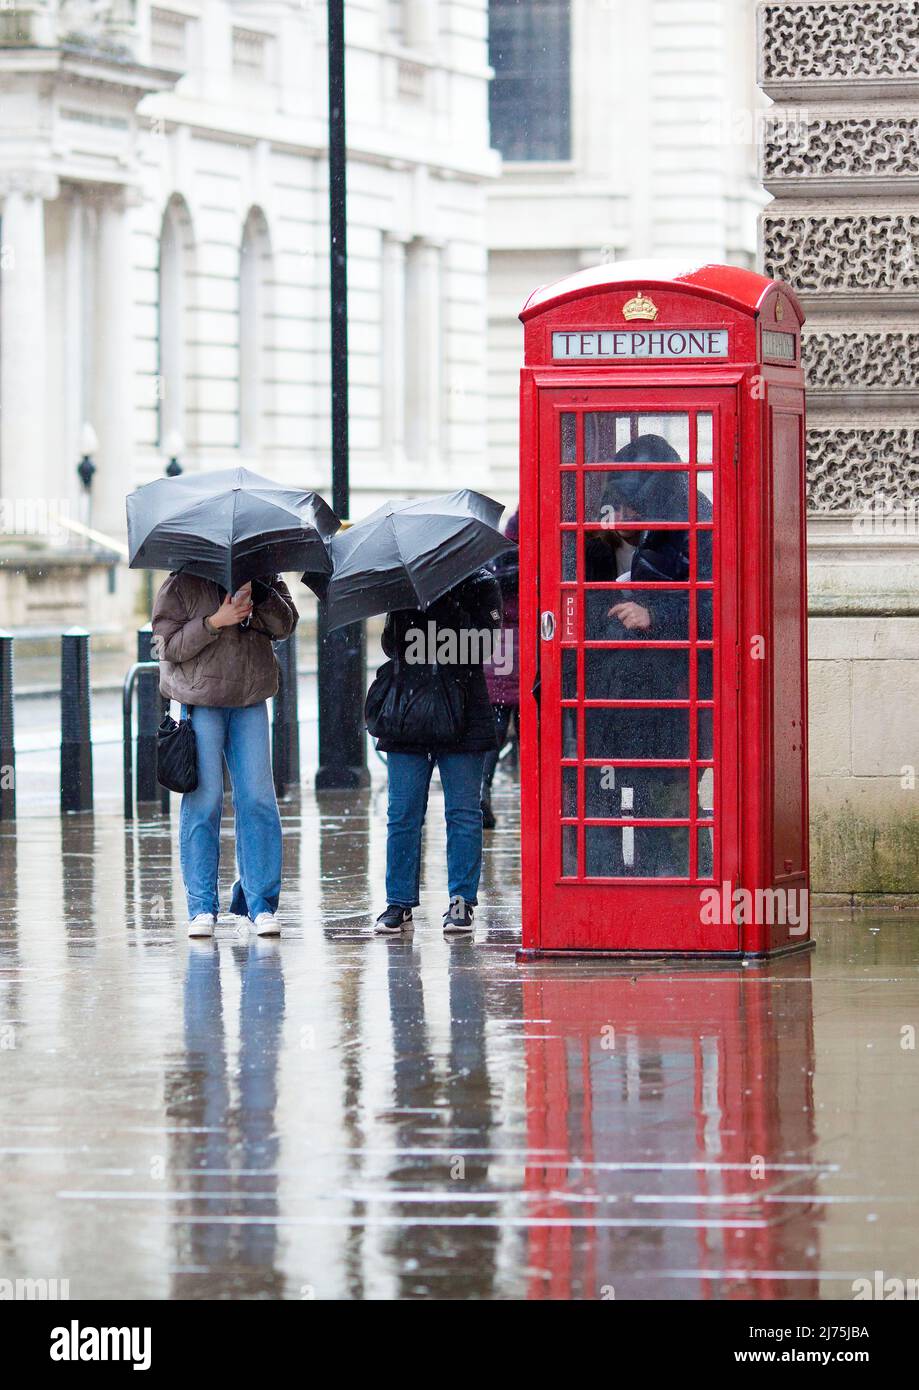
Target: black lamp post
x,y
86,469
173,445
341,660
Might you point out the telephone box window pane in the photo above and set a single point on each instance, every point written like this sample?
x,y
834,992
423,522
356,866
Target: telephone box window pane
x,y
704,556
650,673
643,852
569,791
626,494
605,433
705,852
611,437
608,555
671,427
667,609
705,495
704,437
569,674
569,557
705,659
569,439
704,615
569,497
569,851
636,733
707,794
569,733
706,743
645,793
609,851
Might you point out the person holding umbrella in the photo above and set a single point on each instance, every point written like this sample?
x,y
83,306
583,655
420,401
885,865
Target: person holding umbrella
x,y
474,606
224,536
422,562
216,659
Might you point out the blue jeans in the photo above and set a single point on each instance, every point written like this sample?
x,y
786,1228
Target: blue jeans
x,y
409,780
240,735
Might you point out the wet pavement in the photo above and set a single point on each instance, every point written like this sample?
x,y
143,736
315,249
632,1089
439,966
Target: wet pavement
x,y
337,1116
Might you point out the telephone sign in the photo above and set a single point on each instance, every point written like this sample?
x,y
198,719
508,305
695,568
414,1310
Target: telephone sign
x,y
614,343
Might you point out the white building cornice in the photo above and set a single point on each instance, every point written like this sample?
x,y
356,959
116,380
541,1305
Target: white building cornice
x,y
32,183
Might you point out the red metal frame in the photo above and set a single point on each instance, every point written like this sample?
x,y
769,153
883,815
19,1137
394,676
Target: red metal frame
x,y
759,656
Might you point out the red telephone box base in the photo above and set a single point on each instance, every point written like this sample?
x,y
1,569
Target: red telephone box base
x,y
530,957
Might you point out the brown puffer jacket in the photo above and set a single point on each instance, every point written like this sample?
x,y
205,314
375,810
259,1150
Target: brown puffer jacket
x,y
232,668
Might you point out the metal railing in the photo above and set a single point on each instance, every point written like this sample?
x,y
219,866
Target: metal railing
x,y
146,753
139,783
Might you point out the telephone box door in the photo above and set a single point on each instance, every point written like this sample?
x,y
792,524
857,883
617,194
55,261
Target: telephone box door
x,y
638,669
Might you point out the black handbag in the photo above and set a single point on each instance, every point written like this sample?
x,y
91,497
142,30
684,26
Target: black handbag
x,y
416,706
176,755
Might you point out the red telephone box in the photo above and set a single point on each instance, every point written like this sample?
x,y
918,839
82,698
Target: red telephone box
x,y
663,615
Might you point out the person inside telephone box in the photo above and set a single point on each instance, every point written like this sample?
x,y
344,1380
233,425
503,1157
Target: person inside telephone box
x,y
642,556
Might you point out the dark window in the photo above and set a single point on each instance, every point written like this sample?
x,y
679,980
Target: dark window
x,y
530,51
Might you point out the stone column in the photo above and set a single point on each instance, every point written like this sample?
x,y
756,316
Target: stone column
x,y
73,405
840,154
424,401
113,377
419,23
393,350
23,393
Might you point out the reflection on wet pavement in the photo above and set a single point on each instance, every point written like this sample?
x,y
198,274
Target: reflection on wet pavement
x,y
337,1116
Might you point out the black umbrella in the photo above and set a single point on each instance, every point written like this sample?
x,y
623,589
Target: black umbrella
x,y
229,526
407,554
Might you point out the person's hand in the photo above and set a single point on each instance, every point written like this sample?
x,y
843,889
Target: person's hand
x,y
233,610
633,616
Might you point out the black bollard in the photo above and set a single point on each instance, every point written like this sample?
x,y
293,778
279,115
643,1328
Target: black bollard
x,y
76,741
7,742
342,682
149,714
285,742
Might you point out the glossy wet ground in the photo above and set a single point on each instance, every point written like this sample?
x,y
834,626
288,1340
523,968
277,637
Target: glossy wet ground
x,y
339,1116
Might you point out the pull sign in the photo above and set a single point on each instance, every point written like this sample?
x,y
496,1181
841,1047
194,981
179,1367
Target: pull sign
x,y
547,626
570,618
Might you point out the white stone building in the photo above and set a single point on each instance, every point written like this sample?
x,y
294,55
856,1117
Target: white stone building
x,y
164,279
628,130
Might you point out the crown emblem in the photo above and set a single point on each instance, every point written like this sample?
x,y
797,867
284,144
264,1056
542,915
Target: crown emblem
x,y
641,307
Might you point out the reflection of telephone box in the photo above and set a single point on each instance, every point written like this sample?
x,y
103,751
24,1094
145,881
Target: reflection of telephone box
x,y
663,614
645,1104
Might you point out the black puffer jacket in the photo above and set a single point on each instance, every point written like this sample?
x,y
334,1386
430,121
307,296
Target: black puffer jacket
x,y
472,606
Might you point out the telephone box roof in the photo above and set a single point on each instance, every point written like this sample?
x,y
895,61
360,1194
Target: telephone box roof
x,y
742,289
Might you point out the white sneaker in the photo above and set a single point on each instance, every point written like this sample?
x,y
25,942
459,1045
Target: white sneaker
x,y
202,925
266,924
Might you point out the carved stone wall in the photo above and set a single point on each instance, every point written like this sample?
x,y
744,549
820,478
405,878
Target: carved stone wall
x,y
827,41
854,469
839,360
843,251
840,153
842,148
